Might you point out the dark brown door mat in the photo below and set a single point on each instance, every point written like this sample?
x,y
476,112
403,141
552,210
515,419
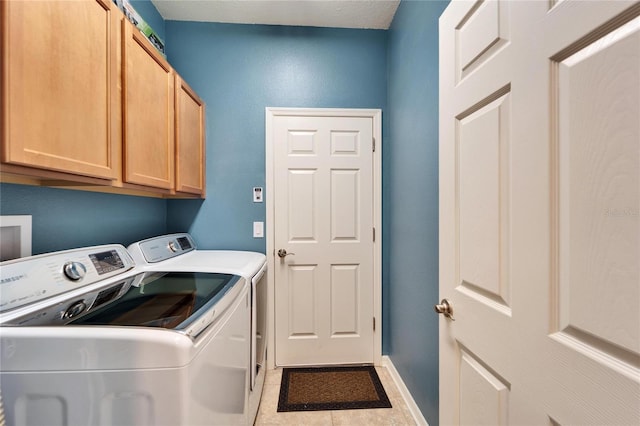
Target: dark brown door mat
x,y
331,388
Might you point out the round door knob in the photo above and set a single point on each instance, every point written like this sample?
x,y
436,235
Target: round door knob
x,y
444,308
282,253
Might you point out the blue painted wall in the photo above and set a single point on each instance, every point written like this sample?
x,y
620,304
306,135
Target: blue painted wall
x,y
412,200
239,70
64,218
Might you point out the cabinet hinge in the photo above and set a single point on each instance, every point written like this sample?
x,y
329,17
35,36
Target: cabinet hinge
x,y
374,323
373,144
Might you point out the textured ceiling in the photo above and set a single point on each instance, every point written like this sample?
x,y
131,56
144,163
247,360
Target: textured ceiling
x,y
373,14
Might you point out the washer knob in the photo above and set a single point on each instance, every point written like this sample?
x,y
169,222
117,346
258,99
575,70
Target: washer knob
x,y
172,246
74,270
75,309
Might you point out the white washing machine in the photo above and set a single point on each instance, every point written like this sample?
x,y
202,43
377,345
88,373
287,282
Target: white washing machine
x,y
88,338
178,252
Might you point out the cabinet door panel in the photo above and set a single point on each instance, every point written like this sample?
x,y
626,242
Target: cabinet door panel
x,y
60,92
149,114
190,140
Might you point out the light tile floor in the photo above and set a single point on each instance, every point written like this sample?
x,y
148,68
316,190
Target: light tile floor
x,y
268,415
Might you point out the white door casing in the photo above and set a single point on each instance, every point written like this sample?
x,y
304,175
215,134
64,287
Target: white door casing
x,y
323,203
539,212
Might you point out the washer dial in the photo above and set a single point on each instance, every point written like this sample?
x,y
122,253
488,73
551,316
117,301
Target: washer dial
x,y
74,270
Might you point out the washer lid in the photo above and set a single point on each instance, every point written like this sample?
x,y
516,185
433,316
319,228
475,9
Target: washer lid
x,y
173,300
183,301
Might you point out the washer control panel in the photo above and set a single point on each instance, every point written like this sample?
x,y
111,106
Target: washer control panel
x,y
32,279
67,310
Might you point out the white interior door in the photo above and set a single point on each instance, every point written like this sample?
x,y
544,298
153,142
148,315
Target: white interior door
x,y
324,219
539,212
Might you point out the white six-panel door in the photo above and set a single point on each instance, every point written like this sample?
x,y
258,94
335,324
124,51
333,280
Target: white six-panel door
x,y
323,207
540,212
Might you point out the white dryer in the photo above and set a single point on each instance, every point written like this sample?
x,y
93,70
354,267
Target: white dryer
x,y
88,338
178,252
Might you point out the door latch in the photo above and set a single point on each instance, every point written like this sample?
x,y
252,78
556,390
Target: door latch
x,y
444,307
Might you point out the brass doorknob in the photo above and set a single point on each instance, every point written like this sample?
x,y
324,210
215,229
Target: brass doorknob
x,y
282,253
444,307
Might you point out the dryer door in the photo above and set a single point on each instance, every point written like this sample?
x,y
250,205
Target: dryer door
x,y
258,323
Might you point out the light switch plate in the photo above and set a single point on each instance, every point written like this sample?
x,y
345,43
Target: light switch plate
x,y
258,229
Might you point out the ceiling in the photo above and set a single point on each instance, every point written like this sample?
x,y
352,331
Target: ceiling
x,y
371,14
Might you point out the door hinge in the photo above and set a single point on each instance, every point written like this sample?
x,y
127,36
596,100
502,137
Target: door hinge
x,y
373,144
374,235
374,323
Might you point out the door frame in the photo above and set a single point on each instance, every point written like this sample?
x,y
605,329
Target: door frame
x,y
376,116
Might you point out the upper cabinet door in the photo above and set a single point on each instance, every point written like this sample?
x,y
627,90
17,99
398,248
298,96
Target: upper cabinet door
x,y
60,106
148,113
190,140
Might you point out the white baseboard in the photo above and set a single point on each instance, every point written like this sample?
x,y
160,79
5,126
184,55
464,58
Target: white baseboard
x,y
406,395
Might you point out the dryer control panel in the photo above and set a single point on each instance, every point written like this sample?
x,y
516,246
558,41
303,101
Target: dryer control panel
x,y
32,279
161,248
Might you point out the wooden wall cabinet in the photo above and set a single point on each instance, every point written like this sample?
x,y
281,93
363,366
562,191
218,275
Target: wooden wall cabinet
x,y
59,87
190,140
88,103
148,102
